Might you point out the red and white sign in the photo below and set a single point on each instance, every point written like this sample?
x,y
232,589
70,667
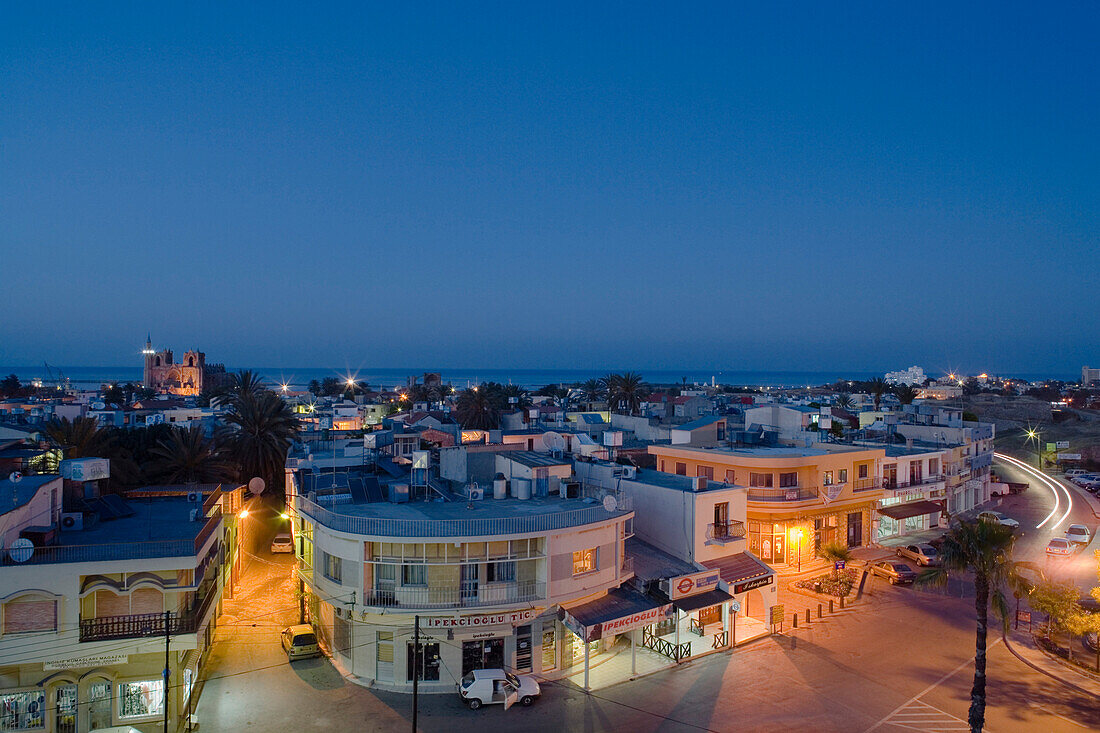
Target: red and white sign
x,y
627,623
689,585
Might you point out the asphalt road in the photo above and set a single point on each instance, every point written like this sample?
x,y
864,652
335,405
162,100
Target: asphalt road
x,y
900,662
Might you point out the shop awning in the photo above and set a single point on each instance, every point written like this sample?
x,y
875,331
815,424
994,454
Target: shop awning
x,y
702,600
742,571
622,609
910,509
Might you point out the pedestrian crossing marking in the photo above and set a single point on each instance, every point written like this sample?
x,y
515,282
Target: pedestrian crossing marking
x,y
921,716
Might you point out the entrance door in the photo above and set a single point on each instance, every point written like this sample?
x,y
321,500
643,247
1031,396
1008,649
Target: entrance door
x,y
468,587
721,519
66,709
855,529
488,654
99,705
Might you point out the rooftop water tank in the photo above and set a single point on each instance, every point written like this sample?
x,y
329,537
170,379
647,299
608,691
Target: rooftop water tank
x,y
521,488
500,487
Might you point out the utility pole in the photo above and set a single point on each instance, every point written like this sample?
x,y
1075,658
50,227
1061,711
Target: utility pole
x,y
416,666
167,651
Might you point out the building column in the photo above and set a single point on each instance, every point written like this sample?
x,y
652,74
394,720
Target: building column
x,y
676,615
634,652
586,643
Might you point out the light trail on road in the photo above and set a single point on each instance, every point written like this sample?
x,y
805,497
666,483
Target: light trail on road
x,y
1054,486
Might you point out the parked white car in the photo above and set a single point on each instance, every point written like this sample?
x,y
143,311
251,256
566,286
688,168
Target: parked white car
x,y
282,543
923,555
491,686
1078,533
999,519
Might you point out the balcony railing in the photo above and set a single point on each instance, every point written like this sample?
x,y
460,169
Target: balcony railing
x,y
726,531
865,484
925,481
627,568
467,595
783,493
386,527
105,628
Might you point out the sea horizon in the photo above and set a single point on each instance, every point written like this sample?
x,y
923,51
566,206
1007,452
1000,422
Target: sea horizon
x,y
299,378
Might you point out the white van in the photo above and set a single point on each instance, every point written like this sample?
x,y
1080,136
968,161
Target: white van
x,y
1075,472
491,686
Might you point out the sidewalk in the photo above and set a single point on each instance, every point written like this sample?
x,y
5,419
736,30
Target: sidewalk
x,y
1023,647
1079,494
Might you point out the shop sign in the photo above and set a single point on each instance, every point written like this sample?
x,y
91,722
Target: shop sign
x,y
689,585
777,615
512,618
621,625
1069,456
100,660
86,469
753,583
1062,445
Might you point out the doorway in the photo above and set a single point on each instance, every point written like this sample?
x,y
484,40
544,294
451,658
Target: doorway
x,y
488,654
855,529
99,705
65,700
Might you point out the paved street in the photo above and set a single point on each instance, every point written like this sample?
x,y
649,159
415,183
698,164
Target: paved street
x,y
901,661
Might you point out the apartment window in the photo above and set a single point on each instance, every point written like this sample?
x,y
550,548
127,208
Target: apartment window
x,y
384,655
827,478
414,574
788,479
842,475
705,471
681,469
30,613
500,572
762,480
584,561
862,469
731,476
141,699
332,567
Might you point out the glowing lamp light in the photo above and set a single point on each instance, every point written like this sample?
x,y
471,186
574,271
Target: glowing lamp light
x,y
284,515
244,514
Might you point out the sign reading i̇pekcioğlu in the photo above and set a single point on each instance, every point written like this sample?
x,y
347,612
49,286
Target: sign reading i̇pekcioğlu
x,y
511,618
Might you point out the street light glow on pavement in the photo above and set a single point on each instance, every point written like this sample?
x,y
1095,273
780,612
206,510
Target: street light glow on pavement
x,y
1054,486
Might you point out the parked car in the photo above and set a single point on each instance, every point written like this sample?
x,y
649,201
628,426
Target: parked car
x,y
282,543
999,519
491,686
923,555
300,642
1059,547
1075,472
1078,533
1084,478
895,572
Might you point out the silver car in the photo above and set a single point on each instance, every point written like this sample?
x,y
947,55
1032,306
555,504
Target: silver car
x,y
1078,533
923,555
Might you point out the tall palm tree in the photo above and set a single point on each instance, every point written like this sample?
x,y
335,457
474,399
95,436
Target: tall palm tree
x,y
476,409
844,401
626,392
905,394
593,391
79,438
187,456
262,429
244,382
878,388
985,548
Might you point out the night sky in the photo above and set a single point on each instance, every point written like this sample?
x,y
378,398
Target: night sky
x,y
864,187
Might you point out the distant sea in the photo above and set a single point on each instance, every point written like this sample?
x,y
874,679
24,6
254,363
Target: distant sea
x,y
297,379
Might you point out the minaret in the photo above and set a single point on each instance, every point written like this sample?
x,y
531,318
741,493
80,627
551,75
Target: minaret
x,y
147,376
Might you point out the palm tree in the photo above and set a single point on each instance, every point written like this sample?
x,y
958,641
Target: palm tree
x,y
878,388
905,394
626,391
263,427
475,409
983,547
186,456
844,401
835,552
245,382
80,438
593,391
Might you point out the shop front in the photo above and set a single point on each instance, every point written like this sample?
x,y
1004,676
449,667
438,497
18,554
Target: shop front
x,y
898,517
751,586
791,541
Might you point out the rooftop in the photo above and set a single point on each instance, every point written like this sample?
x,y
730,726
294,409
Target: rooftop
x,y
653,564
677,482
531,459
22,491
700,423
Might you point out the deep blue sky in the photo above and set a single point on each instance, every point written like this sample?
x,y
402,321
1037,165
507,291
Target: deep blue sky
x,y
859,187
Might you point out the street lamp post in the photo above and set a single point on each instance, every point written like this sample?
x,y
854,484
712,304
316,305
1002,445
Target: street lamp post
x,y
1034,435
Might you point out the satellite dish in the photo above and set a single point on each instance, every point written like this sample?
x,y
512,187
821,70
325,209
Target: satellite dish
x,y
257,486
15,477
610,503
21,550
553,441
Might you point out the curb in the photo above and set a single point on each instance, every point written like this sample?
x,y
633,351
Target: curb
x,y
1037,668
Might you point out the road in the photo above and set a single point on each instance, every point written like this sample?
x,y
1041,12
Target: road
x,y
900,662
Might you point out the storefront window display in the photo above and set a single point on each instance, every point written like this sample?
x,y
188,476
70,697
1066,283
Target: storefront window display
x,y
23,710
487,654
141,699
768,541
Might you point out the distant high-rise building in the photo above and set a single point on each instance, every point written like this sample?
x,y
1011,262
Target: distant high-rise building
x,y
1089,375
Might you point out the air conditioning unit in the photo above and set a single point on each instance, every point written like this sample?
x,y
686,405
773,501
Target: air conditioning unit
x,y
194,497
72,521
630,472
196,514
475,493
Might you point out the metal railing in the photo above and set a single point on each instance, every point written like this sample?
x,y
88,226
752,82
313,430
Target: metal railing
x,y
731,529
783,493
385,527
139,625
664,647
627,567
466,595
924,481
865,484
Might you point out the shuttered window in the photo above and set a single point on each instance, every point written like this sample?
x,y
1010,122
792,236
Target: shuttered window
x,y
31,614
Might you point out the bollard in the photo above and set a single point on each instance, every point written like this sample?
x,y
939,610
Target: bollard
x,y
830,605
794,620
807,615
842,602
819,610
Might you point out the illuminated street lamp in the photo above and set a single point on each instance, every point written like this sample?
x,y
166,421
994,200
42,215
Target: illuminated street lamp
x,y
796,535
1033,434
244,514
284,515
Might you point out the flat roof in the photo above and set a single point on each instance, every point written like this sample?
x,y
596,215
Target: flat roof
x,y
154,519
675,481
653,564
488,508
532,459
22,491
